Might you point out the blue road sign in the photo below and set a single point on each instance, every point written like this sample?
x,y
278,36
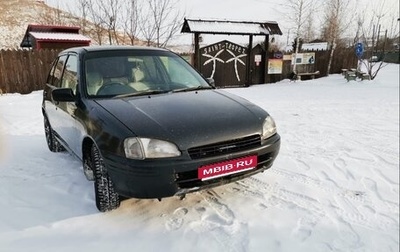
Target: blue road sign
x,y
359,50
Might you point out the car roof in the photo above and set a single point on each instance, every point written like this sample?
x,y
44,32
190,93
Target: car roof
x,y
98,48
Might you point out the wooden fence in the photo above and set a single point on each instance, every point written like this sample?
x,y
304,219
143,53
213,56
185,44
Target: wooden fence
x,y
23,71
343,58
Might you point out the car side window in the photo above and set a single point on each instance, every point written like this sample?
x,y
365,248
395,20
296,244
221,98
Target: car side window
x,y
50,77
58,71
70,78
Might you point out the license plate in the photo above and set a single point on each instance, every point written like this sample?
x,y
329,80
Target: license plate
x,y
216,170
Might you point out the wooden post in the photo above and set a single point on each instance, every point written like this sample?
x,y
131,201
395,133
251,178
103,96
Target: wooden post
x,y
196,58
265,56
248,63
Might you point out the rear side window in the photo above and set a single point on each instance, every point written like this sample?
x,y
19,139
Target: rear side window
x,y
70,79
50,77
58,71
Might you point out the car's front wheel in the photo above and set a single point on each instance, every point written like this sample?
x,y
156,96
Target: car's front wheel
x,y
51,140
106,197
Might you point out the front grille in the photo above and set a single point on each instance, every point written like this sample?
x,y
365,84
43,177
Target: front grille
x,y
227,147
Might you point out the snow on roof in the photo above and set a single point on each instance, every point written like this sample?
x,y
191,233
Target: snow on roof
x,y
228,27
231,27
59,36
321,46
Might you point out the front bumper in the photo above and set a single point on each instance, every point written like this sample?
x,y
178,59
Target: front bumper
x,y
159,178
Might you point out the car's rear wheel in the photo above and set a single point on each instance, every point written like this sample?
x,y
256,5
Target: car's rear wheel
x,y
106,197
51,140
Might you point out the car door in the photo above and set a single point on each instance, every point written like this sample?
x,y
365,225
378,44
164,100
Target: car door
x,y
65,111
54,82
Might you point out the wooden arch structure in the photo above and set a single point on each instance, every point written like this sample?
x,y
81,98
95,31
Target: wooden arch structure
x,y
225,27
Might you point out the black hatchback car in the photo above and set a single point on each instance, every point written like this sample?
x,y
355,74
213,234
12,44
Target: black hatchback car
x,y
145,124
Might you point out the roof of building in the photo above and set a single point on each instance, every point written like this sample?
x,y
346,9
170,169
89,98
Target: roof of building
x,y
52,33
53,36
231,27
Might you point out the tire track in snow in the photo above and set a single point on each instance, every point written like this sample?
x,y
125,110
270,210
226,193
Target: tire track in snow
x,y
311,210
341,165
229,232
323,186
282,198
216,223
355,206
351,206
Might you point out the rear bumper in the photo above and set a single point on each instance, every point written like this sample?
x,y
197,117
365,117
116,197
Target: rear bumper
x,y
159,178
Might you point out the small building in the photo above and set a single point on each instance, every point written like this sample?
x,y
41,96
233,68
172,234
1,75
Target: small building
x,y
53,37
315,47
309,47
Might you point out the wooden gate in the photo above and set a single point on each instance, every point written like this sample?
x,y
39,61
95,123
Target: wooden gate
x,y
225,62
257,66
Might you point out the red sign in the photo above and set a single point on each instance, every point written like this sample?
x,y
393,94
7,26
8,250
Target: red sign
x,y
226,168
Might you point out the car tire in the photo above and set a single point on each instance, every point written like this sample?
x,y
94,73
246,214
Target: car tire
x,y
51,140
107,198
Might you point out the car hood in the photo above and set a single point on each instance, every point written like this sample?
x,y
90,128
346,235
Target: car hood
x,y
188,119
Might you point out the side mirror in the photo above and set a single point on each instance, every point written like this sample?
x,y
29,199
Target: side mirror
x,y
211,82
63,95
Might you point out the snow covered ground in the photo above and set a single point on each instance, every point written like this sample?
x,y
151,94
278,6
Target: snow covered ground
x,y
333,187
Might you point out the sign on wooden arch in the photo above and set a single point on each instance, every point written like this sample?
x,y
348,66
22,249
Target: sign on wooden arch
x,y
225,62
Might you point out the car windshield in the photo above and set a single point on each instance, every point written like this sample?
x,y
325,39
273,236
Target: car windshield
x,y
138,72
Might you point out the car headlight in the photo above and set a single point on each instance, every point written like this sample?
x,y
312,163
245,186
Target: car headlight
x,y
269,128
141,148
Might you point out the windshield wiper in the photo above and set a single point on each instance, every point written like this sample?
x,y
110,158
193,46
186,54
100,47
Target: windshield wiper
x,y
146,92
191,89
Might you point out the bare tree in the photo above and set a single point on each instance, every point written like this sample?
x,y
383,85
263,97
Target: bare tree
x,y
157,21
105,16
371,61
394,25
309,29
56,16
112,10
160,21
383,22
146,27
89,19
371,37
94,14
131,19
83,7
336,21
299,13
